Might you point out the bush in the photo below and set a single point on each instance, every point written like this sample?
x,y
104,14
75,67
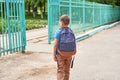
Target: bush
x,y
33,24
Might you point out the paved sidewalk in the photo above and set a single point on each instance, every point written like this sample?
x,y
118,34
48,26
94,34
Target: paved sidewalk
x,y
37,41
98,57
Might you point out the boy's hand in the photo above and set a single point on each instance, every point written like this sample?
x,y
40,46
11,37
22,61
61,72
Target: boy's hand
x,y
55,58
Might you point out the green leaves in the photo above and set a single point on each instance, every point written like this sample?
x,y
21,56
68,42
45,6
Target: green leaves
x,y
36,23
111,2
36,3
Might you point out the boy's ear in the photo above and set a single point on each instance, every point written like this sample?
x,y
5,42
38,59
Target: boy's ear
x,y
63,24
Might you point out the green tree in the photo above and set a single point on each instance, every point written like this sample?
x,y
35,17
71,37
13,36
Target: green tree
x,y
35,4
42,5
28,5
111,2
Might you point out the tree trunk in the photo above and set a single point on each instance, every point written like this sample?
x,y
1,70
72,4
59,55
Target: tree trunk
x,y
44,6
2,10
34,11
41,13
29,9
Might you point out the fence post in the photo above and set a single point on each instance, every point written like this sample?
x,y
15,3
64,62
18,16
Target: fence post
x,y
8,24
83,15
49,37
24,28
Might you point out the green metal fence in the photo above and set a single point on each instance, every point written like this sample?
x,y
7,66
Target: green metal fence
x,y
83,14
12,26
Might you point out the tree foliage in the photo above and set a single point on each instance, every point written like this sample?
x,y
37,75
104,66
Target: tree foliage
x,y
110,2
41,4
34,4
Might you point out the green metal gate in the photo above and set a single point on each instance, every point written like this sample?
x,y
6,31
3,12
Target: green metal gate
x,y
12,26
83,14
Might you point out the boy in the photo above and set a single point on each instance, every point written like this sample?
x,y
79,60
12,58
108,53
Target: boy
x,y
63,62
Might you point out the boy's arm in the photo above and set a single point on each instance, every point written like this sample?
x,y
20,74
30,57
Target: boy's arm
x,y
55,49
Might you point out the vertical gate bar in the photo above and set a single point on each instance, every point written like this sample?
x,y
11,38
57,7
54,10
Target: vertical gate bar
x,y
100,15
24,28
13,25
83,14
8,25
3,43
15,32
94,14
105,15
10,9
19,25
49,14
24,23
17,42
6,29
1,31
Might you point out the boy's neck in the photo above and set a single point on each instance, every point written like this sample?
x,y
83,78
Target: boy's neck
x,y
65,26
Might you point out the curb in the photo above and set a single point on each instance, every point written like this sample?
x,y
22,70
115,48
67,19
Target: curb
x,y
99,29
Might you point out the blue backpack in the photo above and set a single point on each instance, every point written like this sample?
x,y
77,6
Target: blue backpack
x,y
66,42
